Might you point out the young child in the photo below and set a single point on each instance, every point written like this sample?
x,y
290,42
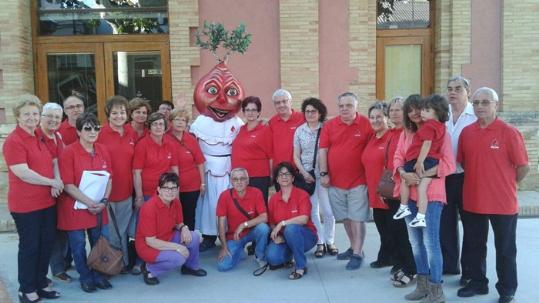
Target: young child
x,y
423,154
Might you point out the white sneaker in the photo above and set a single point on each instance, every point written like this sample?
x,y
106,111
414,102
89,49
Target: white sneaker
x,y
401,213
418,223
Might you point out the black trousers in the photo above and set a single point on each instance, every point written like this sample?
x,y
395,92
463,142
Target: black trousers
x,y
37,230
449,230
475,237
382,219
404,257
262,183
189,205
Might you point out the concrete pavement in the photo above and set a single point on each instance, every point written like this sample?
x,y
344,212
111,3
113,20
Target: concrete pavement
x,y
326,281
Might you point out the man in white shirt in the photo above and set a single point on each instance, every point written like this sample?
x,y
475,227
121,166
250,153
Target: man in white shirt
x,y
461,114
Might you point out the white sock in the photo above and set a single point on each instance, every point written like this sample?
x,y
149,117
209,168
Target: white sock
x,y
403,206
420,216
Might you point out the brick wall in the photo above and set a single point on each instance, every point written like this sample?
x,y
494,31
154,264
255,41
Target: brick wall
x,y
362,27
299,48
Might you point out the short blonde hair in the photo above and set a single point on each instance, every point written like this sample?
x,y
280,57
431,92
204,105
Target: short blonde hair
x,y
181,113
26,100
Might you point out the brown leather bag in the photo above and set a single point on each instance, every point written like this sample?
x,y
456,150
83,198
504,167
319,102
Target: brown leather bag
x,y
103,257
386,184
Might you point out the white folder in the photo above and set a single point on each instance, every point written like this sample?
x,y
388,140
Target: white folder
x,y
93,184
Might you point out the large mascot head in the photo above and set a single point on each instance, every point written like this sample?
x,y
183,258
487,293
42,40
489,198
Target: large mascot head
x,y
218,94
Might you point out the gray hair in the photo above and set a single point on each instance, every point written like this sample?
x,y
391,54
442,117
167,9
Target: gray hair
x,y
348,94
465,82
51,106
281,93
239,169
488,91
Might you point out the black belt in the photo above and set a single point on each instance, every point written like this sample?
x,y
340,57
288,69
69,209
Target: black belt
x,y
221,156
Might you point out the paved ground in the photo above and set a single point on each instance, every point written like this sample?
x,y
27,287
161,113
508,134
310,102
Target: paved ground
x,y
326,281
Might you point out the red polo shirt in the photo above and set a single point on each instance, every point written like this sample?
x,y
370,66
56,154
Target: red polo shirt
x,y
252,203
252,150
73,161
345,144
373,160
137,137
490,157
121,149
22,148
189,157
55,147
156,220
68,132
282,133
432,130
153,159
298,204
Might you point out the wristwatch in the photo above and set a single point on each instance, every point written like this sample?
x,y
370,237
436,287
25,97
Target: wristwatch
x,y
283,223
323,173
104,201
245,224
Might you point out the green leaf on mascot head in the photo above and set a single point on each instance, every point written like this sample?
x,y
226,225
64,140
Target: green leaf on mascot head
x,y
214,35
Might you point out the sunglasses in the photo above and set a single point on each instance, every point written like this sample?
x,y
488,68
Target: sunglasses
x,y
90,128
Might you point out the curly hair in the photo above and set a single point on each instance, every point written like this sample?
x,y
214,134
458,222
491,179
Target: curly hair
x,y
318,105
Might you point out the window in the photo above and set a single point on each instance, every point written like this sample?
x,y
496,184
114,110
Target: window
x,y
403,14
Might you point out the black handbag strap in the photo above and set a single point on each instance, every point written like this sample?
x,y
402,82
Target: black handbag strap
x,y
316,146
114,223
238,206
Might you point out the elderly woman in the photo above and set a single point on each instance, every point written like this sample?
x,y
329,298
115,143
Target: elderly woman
x,y
306,139
190,164
293,233
251,148
119,139
425,241
33,185
163,241
51,117
84,155
139,109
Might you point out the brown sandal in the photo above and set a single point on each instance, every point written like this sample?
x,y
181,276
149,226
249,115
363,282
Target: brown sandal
x,y
320,250
332,249
296,274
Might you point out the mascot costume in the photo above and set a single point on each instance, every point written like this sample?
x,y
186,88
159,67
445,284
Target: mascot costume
x,y
217,98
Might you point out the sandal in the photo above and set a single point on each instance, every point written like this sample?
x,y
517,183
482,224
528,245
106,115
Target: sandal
x,y
296,274
332,249
403,280
320,250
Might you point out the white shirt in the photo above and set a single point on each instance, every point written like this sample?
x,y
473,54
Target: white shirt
x,y
454,129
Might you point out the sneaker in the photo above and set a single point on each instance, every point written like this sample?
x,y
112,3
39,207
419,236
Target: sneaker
x,y
401,213
418,223
345,255
63,276
471,290
506,299
355,262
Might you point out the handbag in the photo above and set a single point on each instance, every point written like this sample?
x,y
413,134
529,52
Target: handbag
x,y
103,257
386,184
300,181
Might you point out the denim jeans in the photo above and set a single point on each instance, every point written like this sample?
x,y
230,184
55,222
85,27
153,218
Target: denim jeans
x,y
426,241
36,231
77,242
259,234
298,240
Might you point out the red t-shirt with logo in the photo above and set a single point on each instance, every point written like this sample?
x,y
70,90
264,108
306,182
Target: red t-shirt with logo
x,y
373,160
298,204
282,133
156,220
252,150
189,157
73,161
490,157
345,144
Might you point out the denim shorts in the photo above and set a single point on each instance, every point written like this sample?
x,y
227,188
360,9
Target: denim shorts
x,y
428,164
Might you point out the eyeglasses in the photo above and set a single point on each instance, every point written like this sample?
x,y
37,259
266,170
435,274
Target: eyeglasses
x,y
169,189
240,179
57,117
251,110
162,124
482,102
74,106
95,128
285,175
314,111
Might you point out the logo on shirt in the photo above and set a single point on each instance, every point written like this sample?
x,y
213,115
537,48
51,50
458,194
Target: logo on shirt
x,y
294,211
253,136
293,127
132,142
381,147
358,134
104,166
494,144
169,156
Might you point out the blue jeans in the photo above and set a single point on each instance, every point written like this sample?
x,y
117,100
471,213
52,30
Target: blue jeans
x,y
298,240
259,234
426,241
77,242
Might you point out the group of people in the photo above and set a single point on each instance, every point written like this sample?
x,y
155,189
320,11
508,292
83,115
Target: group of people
x,y
158,182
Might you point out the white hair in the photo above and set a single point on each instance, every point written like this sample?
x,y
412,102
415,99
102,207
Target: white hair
x,y
239,169
488,91
51,106
281,93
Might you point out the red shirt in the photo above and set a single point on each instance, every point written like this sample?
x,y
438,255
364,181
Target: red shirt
x,y
121,149
73,161
55,147
137,137
373,159
189,157
282,133
68,132
298,204
490,157
19,148
345,144
153,159
432,130
159,221
252,203
252,150
393,141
